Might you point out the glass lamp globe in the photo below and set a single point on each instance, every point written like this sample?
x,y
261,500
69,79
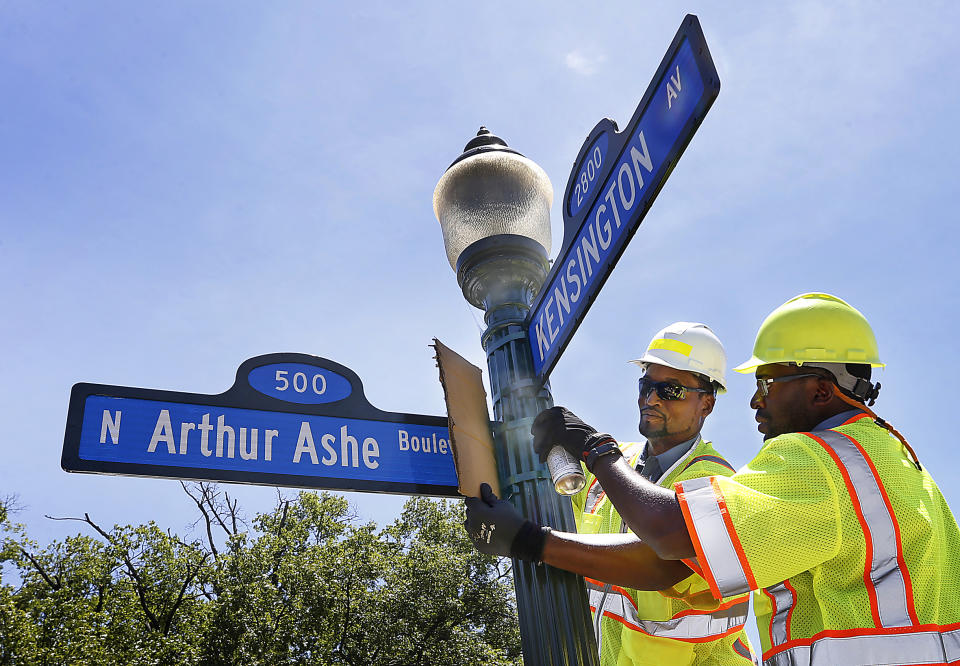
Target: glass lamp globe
x,y
489,191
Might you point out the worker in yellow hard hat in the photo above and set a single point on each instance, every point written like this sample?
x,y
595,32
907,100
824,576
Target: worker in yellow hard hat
x,y
845,538
683,371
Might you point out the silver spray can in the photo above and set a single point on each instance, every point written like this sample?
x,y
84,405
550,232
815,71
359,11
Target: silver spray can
x,y
565,471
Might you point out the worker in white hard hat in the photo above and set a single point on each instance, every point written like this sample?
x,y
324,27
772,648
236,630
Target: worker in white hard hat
x,y
683,371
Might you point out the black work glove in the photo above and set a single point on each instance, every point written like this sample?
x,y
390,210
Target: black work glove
x,y
558,426
497,528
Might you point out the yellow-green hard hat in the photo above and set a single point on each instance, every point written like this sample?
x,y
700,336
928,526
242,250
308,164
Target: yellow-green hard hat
x,y
814,328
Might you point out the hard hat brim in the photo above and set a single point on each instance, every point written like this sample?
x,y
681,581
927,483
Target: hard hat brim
x,y
749,365
754,362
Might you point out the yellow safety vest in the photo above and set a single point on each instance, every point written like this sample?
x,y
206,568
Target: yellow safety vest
x,y
683,625
852,550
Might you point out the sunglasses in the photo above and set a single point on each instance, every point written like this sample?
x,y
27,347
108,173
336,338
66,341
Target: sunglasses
x,y
763,384
667,390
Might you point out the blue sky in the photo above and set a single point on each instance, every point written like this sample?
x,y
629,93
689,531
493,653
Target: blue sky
x,y
184,186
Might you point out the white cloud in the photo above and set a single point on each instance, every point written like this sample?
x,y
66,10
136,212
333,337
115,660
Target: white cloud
x,y
582,63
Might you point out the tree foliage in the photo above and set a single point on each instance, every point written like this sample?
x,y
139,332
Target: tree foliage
x,y
305,583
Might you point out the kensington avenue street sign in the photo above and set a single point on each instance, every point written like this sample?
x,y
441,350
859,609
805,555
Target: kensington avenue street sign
x,y
289,420
614,181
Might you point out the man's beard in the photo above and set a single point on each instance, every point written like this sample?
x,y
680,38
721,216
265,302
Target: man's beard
x,y
656,427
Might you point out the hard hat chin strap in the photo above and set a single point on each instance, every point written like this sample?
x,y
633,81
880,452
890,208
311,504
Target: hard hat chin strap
x,y
864,391
880,422
859,388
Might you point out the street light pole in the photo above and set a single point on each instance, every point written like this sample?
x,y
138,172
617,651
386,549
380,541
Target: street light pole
x,y
494,207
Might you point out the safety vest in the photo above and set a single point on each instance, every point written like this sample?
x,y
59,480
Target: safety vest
x,y
682,625
852,550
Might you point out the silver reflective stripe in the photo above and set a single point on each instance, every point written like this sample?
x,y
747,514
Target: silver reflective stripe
x,y
595,493
721,556
699,625
921,647
888,580
604,600
597,594
693,626
783,599
593,497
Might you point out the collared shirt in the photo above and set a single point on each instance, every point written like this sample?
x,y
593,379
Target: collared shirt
x,y
653,467
837,419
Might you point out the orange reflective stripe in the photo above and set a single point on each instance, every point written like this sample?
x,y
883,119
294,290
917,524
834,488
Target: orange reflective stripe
x,y
594,495
595,492
924,644
730,603
682,488
885,574
897,540
694,565
705,513
612,601
692,626
855,418
880,422
732,531
868,541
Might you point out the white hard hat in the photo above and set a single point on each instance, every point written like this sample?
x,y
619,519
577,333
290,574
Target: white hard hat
x,y
688,346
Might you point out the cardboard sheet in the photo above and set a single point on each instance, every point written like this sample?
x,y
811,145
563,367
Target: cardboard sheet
x,y
470,435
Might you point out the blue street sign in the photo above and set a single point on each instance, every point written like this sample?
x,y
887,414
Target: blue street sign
x,y
289,420
614,181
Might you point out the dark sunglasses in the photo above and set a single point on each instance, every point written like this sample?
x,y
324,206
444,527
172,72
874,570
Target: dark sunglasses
x,y
667,390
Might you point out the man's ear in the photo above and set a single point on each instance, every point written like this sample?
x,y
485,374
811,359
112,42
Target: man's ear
x,y
706,405
825,392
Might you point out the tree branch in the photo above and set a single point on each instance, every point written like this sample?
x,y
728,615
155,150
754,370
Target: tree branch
x,y
232,509
100,591
206,517
40,570
426,638
183,590
152,620
281,549
210,495
346,617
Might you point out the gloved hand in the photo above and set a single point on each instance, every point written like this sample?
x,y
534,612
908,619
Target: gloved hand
x,y
558,426
497,528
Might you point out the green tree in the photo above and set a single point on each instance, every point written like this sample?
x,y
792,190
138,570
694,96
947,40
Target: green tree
x,y
126,598
305,583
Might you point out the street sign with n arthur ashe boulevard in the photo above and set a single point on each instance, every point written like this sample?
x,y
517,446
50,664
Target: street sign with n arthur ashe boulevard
x,y
614,181
289,420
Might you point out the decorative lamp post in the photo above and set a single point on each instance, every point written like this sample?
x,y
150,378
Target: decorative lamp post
x,y
493,205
